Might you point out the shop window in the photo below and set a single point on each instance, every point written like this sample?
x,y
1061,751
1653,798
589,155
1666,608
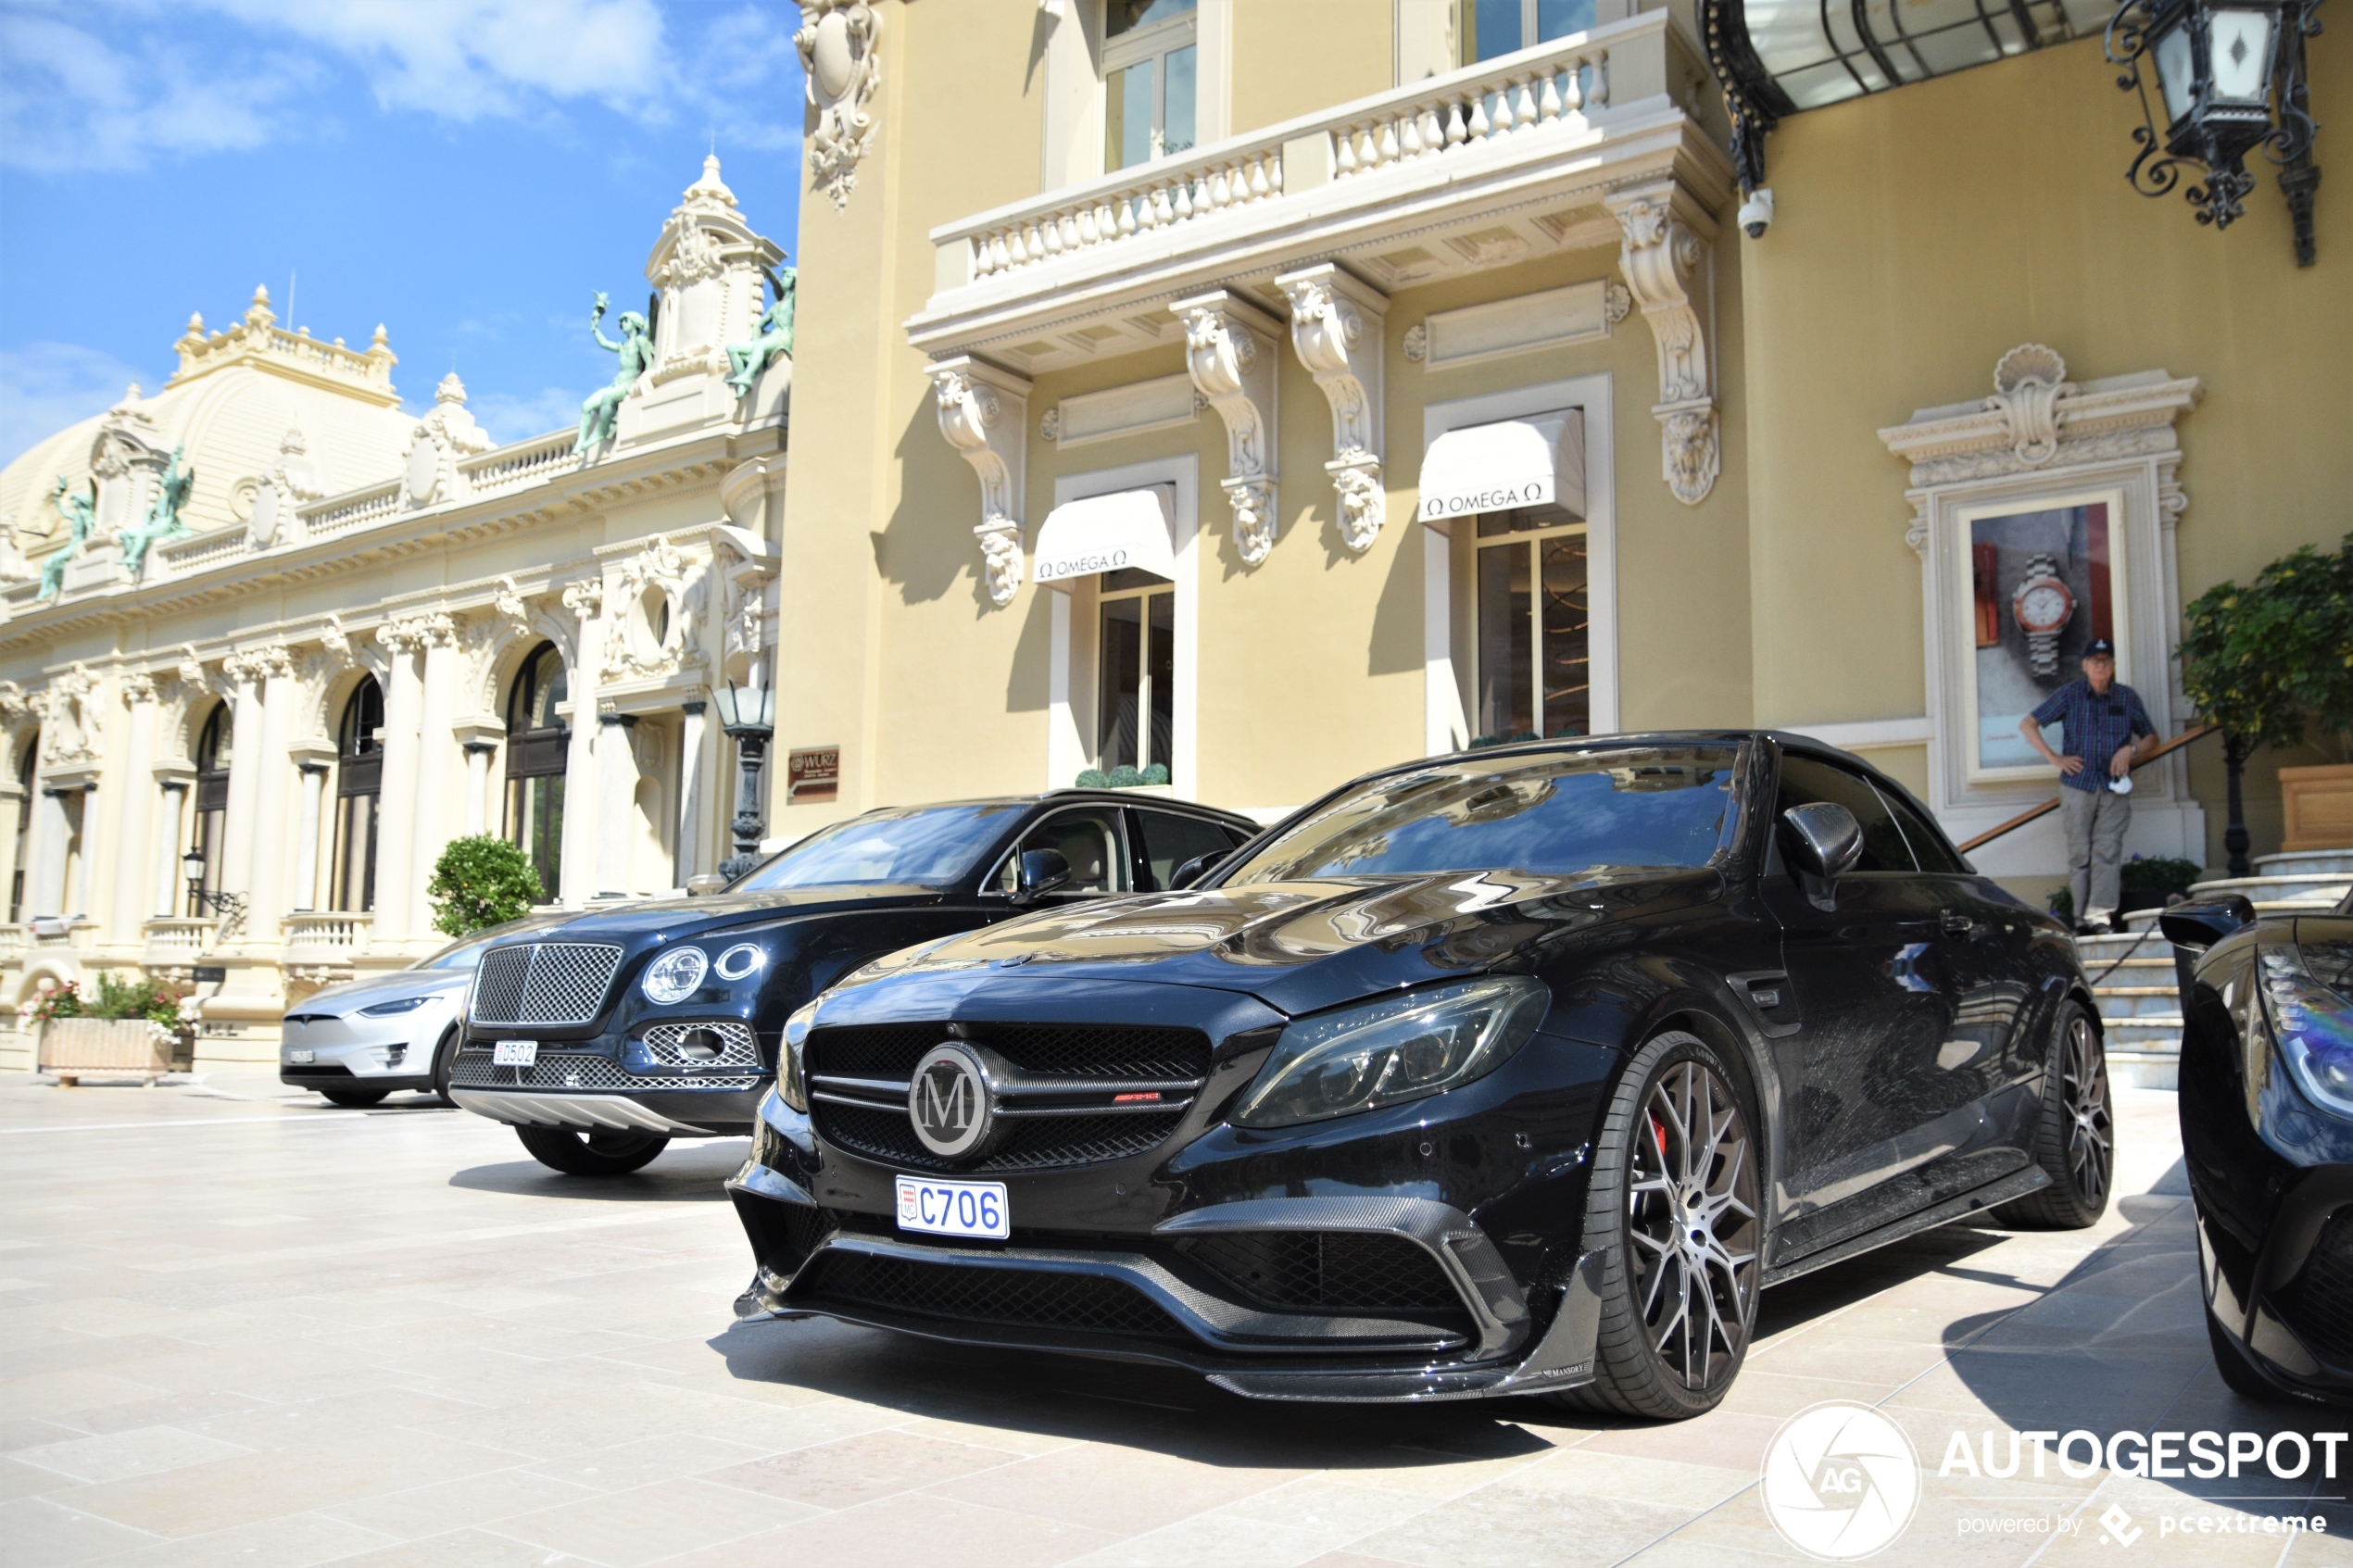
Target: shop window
x,y
25,767
538,748
1534,652
359,767
1150,80
1499,27
1136,727
214,744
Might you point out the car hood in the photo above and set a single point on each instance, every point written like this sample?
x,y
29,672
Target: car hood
x,y
353,994
1302,945
674,918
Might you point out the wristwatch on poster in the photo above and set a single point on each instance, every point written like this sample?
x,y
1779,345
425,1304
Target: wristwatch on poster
x,y
2043,606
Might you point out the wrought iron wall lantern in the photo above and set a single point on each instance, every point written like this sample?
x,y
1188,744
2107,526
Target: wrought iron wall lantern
x,y
750,717
2231,76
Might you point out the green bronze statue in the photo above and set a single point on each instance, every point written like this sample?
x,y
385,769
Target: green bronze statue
x,y
603,410
81,513
747,361
162,520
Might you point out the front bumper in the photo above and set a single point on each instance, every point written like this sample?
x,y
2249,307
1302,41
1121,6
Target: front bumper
x,y
597,1085
367,1065
2296,1321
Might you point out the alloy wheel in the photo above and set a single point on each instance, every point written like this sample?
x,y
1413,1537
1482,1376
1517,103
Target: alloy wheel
x,y
2090,1130
1693,1224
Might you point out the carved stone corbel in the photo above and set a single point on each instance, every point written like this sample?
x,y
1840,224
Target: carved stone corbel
x,y
1229,350
837,46
1336,327
1662,258
984,412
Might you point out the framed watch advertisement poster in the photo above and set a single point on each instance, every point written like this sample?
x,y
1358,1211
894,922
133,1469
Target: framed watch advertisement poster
x,y
2039,579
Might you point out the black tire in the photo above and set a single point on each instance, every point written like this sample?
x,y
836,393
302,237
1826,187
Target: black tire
x,y
2238,1373
444,1065
354,1098
591,1154
1675,1218
2074,1133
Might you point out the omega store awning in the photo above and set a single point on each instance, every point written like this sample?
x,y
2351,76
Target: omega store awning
x,y
1127,529
1535,461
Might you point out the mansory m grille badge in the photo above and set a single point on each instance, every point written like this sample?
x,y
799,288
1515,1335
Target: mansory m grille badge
x,y
949,1102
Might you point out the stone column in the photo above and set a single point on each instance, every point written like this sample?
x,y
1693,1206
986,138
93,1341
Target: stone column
x,y
616,800
135,815
578,882
312,759
690,763
246,762
266,894
397,805
436,763
85,894
478,737
12,800
52,831
173,779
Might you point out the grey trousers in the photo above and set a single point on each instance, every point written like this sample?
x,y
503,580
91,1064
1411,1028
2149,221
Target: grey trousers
x,y
2095,820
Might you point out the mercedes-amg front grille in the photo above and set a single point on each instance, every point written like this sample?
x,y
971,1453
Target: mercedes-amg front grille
x,y
562,982
969,1294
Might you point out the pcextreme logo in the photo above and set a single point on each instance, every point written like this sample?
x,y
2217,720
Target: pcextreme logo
x,y
1840,1481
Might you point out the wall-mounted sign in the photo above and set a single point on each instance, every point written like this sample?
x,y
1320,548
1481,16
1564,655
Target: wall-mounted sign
x,y
812,774
212,975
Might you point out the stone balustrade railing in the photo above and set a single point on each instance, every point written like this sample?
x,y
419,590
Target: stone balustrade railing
x,y
178,938
524,460
14,941
208,549
1557,86
349,509
372,365
326,936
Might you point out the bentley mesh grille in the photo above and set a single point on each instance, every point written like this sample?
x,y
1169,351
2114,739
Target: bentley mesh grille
x,y
577,1070
1072,1050
545,983
1043,1143
1019,1297
1325,1271
2319,1306
674,1045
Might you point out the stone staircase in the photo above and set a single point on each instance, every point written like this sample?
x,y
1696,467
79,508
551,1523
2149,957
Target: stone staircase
x,y
2139,1007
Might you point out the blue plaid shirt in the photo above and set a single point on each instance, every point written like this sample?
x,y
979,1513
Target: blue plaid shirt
x,y
2096,727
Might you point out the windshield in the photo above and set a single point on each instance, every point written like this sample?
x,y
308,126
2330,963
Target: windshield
x,y
1548,814
929,847
460,955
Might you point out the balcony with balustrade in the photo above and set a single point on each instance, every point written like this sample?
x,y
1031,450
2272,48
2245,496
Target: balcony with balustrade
x,y
1481,168
324,940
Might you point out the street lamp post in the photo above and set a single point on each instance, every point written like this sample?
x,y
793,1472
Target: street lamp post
x,y
2230,75
749,717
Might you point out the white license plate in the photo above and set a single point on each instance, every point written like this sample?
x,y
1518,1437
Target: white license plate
x,y
954,1208
301,1058
515,1053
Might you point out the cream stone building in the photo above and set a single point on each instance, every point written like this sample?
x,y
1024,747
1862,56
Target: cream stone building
x,y
239,733
1273,390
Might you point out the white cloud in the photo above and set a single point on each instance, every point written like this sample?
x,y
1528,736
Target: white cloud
x,y
46,387
509,418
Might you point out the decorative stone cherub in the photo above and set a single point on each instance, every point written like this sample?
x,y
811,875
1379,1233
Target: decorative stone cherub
x,y
602,412
162,520
81,513
747,361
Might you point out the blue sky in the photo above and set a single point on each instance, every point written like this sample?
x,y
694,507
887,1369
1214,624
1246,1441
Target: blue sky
x,y
468,172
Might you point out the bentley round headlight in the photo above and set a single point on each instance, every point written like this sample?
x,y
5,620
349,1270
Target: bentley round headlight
x,y
673,976
739,961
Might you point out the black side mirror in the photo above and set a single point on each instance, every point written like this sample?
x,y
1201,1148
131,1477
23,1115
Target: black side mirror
x,y
2200,925
1041,872
1193,871
1824,839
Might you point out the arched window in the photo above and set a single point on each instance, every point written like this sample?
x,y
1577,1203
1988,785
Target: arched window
x,y
537,744
359,766
25,765
213,746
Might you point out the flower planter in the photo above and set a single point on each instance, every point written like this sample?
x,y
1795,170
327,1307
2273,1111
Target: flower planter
x,y
75,1049
2319,808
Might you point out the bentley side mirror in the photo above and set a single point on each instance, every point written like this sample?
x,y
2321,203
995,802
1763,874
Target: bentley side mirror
x,y
1042,871
708,883
1824,843
2200,925
1193,871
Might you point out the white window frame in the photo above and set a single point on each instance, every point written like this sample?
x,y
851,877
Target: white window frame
x,y
1526,541
1446,724
1066,730
1156,43
1603,11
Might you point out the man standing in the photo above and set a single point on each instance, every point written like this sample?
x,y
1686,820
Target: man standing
x,y
2105,730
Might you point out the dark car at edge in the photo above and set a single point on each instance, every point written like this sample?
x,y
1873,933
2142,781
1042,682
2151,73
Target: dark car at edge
x,y
1520,1071
602,1038
2267,1138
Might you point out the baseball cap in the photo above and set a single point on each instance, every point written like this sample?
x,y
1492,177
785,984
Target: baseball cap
x,y
2099,647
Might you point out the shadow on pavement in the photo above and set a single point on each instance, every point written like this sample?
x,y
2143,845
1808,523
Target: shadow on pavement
x,y
686,1172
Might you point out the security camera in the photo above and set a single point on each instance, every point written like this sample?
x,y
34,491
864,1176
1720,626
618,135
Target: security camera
x,y
1757,212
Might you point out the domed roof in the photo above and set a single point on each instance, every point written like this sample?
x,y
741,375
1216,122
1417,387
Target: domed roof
x,y
232,401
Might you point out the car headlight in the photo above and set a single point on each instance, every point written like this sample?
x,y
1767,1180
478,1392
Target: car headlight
x,y
673,976
739,961
2313,1025
385,1010
792,1077
1396,1049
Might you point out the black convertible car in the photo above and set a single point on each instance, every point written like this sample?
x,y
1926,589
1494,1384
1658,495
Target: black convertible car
x,y
2267,1136
1514,1071
605,1037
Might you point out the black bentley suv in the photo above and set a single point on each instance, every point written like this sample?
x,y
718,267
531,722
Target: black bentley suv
x,y
603,1038
1519,1070
2267,1136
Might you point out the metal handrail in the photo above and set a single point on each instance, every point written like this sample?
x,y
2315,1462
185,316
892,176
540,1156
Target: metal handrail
x,y
2048,807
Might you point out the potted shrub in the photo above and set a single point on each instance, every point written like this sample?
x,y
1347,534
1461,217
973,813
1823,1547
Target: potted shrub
x,y
2270,664
131,1029
480,882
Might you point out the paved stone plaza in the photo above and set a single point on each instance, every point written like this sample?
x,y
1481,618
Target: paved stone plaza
x,y
241,1328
